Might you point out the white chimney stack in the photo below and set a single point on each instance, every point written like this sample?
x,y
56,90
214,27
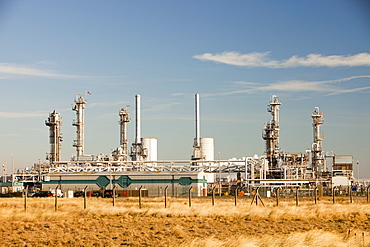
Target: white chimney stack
x,y
138,124
197,124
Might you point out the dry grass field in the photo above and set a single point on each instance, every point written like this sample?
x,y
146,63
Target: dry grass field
x,y
125,224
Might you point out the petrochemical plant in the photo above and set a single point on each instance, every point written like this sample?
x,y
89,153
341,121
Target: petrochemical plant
x,y
128,168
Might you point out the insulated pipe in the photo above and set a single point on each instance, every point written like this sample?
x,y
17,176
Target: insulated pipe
x,y
197,125
137,111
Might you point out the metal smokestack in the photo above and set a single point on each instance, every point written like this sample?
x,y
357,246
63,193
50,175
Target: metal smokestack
x,y
138,124
197,125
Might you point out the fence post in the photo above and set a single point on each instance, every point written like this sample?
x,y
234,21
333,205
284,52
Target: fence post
x,y
213,195
191,187
56,198
296,196
277,196
315,194
114,195
140,196
333,194
25,197
85,197
350,195
236,196
367,194
165,196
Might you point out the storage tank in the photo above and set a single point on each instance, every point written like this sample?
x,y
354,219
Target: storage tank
x,y
207,148
150,145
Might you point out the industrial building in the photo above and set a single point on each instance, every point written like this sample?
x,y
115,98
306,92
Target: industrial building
x,y
128,170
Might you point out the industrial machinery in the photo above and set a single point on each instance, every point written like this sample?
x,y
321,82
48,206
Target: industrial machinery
x,y
197,151
271,137
138,152
318,156
275,167
203,148
79,107
54,123
121,153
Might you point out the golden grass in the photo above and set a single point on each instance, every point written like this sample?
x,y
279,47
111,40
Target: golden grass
x,y
101,224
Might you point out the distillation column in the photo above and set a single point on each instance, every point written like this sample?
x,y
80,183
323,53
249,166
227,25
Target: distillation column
x,y
318,158
124,119
54,123
79,123
271,133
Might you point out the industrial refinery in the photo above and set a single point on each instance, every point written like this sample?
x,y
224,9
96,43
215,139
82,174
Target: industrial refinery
x,y
129,167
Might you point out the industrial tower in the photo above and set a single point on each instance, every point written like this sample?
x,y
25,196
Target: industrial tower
x,y
197,150
318,157
138,152
271,134
54,123
79,107
121,153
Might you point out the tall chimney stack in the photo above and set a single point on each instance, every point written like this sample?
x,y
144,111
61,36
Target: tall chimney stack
x,y
197,124
138,124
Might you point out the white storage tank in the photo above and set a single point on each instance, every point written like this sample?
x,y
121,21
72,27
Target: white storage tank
x,y
207,147
150,144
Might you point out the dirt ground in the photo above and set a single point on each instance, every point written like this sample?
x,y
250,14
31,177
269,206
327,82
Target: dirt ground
x,y
151,226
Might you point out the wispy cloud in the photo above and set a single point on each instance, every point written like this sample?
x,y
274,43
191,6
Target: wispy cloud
x,y
246,83
22,114
261,59
15,69
177,94
327,87
161,107
348,90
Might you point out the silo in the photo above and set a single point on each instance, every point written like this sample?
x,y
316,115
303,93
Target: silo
x,y
150,144
207,148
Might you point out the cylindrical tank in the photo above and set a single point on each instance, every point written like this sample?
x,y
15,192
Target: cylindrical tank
x,y
207,148
150,144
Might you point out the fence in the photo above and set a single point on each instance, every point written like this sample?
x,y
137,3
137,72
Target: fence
x,y
257,195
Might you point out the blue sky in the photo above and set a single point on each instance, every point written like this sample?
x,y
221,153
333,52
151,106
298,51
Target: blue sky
x,y
235,54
